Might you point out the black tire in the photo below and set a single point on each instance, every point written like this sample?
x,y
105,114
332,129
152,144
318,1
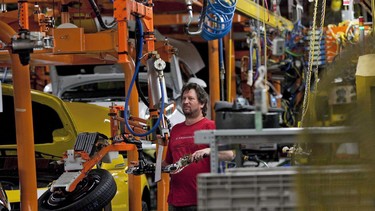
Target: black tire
x,y
93,193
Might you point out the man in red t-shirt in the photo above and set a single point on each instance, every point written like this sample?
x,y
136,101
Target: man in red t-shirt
x,y
183,185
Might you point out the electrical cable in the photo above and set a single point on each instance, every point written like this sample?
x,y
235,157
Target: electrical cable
x,y
140,93
99,16
222,68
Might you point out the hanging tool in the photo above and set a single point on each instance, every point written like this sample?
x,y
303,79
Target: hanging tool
x,y
143,167
299,10
24,43
260,98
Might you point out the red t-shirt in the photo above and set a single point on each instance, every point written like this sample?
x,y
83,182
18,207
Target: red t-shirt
x,y
183,185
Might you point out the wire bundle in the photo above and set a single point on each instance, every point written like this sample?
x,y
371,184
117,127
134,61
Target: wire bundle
x,y
218,19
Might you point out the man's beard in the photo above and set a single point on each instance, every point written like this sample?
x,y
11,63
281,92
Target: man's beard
x,y
191,113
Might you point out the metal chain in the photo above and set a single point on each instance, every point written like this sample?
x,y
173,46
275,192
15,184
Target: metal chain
x,y
316,73
310,61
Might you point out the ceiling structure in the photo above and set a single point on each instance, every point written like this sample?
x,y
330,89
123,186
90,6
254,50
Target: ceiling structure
x,y
169,18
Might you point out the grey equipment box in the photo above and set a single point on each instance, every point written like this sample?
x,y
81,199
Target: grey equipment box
x,y
240,115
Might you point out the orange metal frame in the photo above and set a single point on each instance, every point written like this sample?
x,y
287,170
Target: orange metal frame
x,y
137,126
23,116
123,9
90,163
121,146
66,51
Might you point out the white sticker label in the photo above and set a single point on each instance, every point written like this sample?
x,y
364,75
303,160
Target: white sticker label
x,y
346,2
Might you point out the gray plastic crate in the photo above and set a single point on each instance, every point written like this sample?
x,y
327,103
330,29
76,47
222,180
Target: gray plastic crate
x,y
251,190
275,189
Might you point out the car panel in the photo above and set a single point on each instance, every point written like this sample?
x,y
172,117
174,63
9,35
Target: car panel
x,y
51,110
106,86
82,114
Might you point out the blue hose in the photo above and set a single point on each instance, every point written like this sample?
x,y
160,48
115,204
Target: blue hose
x,y
137,65
218,19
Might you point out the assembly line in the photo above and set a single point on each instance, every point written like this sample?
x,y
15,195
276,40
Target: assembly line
x,y
186,105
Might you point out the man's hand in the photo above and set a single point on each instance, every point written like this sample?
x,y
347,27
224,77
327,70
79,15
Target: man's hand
x,y
200,154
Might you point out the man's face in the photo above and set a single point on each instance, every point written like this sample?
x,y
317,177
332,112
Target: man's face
x,y
190,104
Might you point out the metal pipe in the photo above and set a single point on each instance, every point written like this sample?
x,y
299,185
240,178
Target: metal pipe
x,y
24,125
191,17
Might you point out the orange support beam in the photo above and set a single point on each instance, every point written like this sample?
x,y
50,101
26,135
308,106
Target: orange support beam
x,y
121,14
123,9
122,28
135,194
213,52
24,125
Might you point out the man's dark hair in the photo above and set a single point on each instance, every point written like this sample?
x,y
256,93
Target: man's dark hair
x,y
201,95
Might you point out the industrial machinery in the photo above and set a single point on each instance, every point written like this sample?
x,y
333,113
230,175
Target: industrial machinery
x,y
274,71
84,185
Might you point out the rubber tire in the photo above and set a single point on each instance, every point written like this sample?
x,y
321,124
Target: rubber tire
x,y
96,199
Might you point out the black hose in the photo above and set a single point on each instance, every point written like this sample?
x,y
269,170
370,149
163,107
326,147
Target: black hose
x,y
141,94
100,19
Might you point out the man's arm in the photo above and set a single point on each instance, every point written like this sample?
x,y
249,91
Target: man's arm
x,y
226,155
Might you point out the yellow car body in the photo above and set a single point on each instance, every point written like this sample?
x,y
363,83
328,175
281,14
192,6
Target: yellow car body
x,y
75,118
